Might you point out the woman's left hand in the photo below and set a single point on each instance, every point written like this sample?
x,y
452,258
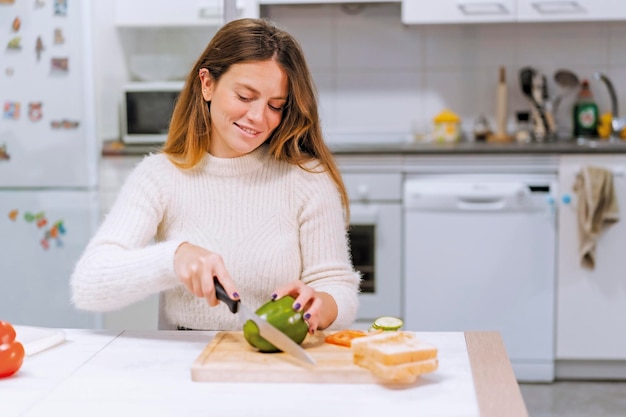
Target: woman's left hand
x,y
319,308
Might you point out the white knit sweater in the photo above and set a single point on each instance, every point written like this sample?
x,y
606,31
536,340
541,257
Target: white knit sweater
x,y
272,223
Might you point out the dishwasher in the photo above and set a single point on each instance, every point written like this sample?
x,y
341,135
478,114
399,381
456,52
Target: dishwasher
x,y
480,255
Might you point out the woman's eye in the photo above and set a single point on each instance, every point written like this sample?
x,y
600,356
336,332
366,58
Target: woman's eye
x,y
275,108
242,98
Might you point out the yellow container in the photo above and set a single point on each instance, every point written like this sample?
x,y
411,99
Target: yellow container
x,y
446,127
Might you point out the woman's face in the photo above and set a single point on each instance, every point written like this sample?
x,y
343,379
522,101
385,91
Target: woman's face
x,y
246,106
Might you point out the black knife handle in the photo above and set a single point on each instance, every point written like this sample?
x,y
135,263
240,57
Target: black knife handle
x,y
221,295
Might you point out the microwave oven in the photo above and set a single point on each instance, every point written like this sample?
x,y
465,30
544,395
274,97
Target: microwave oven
x,y
147,110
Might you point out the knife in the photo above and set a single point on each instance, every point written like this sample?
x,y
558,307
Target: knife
x,y
267,331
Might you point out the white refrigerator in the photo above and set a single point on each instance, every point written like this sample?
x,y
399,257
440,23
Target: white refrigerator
x,y
48,159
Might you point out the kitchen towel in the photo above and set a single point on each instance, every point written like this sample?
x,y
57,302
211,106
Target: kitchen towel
x,y
597,208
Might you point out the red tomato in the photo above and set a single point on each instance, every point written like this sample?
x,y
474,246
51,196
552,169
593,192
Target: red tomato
x,y
7,332
11,358
11,351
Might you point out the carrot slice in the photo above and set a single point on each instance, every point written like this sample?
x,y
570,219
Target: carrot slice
x,y
344,337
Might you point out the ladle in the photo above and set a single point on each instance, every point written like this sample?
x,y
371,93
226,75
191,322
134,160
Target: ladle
x,y
565,79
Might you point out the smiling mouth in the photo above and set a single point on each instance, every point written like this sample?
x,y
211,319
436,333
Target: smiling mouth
x,y
247,130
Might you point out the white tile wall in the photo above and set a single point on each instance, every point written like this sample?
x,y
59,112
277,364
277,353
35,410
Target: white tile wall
x,y
379,79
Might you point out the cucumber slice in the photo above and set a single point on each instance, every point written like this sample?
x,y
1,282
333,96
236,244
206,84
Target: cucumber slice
x,y
387,323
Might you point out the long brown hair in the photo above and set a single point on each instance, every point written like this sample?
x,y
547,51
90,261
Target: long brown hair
x,y
297,139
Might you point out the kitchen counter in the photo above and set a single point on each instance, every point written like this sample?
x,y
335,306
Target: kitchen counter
x,y
463,148
134,373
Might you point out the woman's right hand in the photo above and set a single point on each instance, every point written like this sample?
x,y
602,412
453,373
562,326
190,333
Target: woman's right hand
x,y
195,267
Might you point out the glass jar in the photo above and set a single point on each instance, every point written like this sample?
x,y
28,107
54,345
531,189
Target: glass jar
x,y
523,127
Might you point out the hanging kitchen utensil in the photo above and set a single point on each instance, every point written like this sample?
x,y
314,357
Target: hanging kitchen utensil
x,y
548,109
527,74
567,80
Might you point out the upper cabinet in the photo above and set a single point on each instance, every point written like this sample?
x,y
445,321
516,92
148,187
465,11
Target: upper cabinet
x,y
292,2
486,11
458,11
181,13
159,13
570,10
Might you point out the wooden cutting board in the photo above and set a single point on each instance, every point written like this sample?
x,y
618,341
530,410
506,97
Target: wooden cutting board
x,y
229,358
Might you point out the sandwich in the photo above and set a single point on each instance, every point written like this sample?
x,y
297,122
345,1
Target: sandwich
x,y
395,357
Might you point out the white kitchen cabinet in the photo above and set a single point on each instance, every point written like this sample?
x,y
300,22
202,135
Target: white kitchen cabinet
x,y
591,304
570,10
458,11
113,172
494,11
162,13
292,2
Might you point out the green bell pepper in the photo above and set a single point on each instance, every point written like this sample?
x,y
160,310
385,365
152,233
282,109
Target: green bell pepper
x,y
281,315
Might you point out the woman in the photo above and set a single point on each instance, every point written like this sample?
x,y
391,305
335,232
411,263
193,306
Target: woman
x,y
245,190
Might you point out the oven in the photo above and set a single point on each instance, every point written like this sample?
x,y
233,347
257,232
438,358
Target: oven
x,y
375,235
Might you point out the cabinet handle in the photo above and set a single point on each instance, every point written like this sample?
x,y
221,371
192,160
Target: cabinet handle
x,y
477,9
558,7
210,13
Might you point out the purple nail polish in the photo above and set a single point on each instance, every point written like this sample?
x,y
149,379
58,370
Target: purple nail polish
x,y
274,296
236,294
296,306
307,316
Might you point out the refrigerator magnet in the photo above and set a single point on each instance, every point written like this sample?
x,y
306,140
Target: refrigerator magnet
x,y
69,124
64,124
35,111
15,43
59,64
4,156
59,39
11,110
9,71
39,4
17,22
42,222
7,1
60,7
13,214
39,47
58,226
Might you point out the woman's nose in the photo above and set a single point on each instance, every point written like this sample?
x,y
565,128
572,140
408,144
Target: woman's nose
x,y
255,112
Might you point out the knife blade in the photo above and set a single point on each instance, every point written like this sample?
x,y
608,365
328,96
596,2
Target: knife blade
x,y
267,330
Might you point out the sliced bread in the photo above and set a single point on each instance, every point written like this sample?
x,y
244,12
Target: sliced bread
x,y
393,348
404,373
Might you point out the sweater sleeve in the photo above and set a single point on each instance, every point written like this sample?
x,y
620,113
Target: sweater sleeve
x,y
326,260
122,264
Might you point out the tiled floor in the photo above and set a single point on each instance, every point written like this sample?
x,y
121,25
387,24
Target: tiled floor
x,y
575,399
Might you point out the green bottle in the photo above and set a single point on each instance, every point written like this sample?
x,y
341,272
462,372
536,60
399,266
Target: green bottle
x,y
585,114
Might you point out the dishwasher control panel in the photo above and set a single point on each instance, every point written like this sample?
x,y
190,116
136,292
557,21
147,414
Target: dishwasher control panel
x,y
493,192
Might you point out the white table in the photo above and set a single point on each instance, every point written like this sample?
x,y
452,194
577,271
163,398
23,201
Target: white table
x,y
111,373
